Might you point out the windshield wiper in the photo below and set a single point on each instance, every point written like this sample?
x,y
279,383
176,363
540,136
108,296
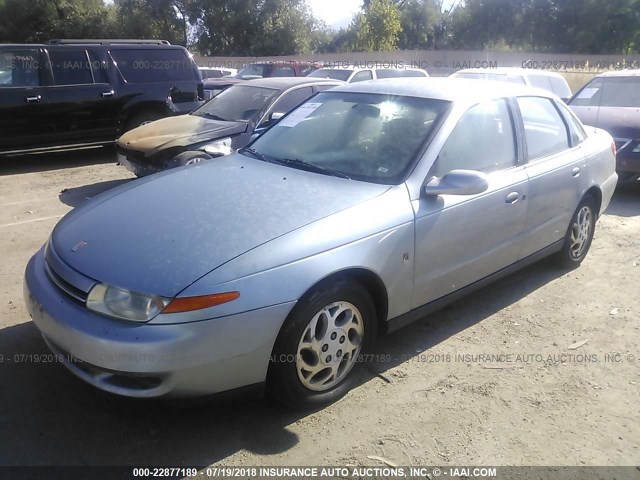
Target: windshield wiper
x,y
254,153
213,116
301,164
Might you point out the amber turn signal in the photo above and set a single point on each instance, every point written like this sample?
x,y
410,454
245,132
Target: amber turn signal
x,y
189,304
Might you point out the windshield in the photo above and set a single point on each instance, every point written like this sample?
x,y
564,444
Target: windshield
x,y
368,137
609,92
239,103
334,73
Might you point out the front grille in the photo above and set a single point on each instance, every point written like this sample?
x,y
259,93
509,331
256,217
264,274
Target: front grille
x,y
68,289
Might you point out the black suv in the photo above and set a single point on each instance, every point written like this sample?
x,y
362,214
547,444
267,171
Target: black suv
x,y
79,93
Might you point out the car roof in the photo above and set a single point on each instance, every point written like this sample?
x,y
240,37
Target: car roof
x,y
444,88
620,73
509,70
288,82
97,44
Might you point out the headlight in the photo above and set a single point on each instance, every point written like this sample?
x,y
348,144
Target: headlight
x,y
141,307
218,148
125,304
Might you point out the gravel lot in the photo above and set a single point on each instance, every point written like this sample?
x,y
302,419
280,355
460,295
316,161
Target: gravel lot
x,y
530,400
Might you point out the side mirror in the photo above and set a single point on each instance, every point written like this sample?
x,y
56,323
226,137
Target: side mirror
x,y
458,182
275,116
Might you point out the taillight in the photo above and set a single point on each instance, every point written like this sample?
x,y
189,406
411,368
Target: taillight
x,y
613,148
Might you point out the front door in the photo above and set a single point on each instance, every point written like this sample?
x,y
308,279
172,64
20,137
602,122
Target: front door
x,y
461,239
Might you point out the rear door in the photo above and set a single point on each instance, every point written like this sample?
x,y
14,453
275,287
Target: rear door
x,y
81,103
556,168
22,105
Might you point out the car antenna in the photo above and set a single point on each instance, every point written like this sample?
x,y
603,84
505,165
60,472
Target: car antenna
x,y
600,101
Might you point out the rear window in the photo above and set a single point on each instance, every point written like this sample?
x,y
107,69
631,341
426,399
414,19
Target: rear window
x,y
154,65
609,92
560,87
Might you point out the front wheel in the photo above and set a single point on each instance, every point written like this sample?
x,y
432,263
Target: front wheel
x,y
318,350
579,235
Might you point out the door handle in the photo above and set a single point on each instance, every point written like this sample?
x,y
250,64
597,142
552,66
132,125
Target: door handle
x,y
575,172
35,99
512,198
108,94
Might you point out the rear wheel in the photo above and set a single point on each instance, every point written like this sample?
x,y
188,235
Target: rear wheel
x,y
318,350
579,235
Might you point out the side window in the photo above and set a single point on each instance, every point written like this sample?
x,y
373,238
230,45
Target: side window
x,y
362,76
150,65
99,68
389,73
283,71
545,131
576,131
483,140
70,67
288,101
306,70
19,68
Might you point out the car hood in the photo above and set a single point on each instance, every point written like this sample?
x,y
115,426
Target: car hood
x,y
160,234
180,131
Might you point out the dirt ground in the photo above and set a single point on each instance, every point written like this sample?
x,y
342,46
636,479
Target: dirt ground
x,y
499,378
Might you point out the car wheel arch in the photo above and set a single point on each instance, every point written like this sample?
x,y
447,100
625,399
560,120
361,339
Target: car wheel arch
x,y
372,283
595,193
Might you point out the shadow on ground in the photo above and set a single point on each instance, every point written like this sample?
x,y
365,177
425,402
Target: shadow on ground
x,y
626,200
57,161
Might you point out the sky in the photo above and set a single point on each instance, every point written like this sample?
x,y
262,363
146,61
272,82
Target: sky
x,y
338,13
335,13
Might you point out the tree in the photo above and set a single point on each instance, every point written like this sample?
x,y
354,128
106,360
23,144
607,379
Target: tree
x,y
418,19
41,20
378,28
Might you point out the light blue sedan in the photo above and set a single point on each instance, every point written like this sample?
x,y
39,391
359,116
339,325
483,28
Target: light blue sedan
x,y
364,209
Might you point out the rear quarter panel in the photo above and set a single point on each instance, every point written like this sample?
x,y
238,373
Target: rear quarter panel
x,y
601,164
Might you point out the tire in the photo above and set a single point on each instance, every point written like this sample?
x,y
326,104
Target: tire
x,y
139,119
335,320
579,236
188,158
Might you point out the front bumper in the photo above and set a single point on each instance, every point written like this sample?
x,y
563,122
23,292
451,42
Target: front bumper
x,y
138,169
152,360
627,159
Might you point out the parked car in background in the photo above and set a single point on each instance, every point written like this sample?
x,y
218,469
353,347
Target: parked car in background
x,y
356,74
210,72
84,93
551,81
611,101
362,210
252,71
221,126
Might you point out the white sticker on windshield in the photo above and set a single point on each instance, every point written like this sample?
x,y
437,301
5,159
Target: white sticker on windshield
x,y
299,114
588,92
